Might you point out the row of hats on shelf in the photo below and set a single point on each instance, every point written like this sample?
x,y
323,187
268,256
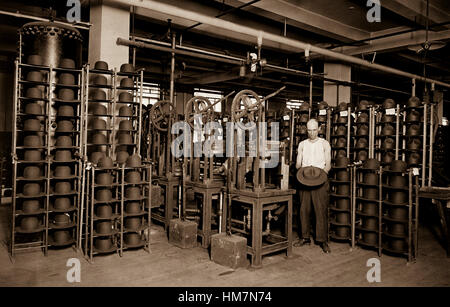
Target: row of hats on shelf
x,y
340,187
363,105
133,221
396,199
66,63
36,59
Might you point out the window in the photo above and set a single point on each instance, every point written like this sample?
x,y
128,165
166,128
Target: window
x,y
294,104
150,93
213,96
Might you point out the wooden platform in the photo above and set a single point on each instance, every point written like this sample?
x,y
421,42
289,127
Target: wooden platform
x,y
171,266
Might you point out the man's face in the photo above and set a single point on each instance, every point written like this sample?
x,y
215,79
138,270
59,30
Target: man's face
x,y
313,130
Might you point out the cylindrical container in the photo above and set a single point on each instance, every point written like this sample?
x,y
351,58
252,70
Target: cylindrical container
x,y
52,42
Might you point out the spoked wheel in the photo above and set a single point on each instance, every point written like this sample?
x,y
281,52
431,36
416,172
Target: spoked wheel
x,y
198,111
245,108
160,114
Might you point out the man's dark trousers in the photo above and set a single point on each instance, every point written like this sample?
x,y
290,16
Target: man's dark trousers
x,y
319,198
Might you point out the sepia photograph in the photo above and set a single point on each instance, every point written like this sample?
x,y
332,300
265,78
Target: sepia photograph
x,y
225,151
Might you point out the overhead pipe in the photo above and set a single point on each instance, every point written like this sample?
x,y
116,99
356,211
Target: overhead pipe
x,y
208,55
261,35
126,42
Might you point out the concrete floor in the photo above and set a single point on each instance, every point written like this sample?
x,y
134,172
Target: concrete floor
x,y
170,266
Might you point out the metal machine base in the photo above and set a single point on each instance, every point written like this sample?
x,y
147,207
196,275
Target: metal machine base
x,y
258,203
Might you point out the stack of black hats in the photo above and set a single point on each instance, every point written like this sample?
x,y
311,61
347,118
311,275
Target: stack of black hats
x,y
340,207
341,122
320,114
32,139
387,131
302,117
100,112
396,206
65,148
362,131
413,123
368,204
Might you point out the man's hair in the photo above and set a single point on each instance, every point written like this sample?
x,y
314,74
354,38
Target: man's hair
x,y
311,121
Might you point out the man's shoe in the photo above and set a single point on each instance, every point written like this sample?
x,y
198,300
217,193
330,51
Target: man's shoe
x,y
303,242
326,249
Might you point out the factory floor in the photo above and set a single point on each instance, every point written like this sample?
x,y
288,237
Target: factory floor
x,y
170,266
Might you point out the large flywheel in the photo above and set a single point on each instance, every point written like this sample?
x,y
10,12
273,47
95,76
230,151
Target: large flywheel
x,y
160,114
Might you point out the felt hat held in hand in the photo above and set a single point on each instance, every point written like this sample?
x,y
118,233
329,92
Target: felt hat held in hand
x,y
311,176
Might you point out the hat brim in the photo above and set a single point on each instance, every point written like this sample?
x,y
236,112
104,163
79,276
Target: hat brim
x,y
312,182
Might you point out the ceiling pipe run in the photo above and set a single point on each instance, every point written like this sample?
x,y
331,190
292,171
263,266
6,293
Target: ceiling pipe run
x,y
260,36
126,42
198,53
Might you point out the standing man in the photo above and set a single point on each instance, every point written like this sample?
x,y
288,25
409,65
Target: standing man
x,y
314,152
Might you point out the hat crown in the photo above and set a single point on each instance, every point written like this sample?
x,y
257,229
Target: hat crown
x,y
371,164
67,63
99,94
102,65
311,173
127,68
126,82
342,162
398,166
363,104
413,102
34,92
105,162
343,106
370,178
125,96
362,155
398,181
323,105
66,94
389,103
134,160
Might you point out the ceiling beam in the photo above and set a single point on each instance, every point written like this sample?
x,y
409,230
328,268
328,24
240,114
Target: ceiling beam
x,y
395,42
308,20
211,30
416,10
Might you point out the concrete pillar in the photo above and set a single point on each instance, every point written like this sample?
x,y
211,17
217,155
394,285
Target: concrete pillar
x,y
109,23
330,89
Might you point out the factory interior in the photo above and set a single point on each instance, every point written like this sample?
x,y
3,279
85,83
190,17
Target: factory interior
x,y
164,143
